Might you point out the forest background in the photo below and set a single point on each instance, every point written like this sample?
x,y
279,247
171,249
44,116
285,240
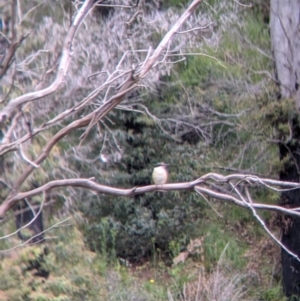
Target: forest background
x,y
210,106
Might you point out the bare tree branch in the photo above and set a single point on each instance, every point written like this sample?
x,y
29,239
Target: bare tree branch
x,y
31,238
92,118
201,186
62,68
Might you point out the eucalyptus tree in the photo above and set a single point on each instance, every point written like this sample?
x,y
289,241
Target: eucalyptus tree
x,y
65,66
285,35
70,74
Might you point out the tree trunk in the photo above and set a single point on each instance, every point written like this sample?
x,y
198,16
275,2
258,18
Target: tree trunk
x,y
285,37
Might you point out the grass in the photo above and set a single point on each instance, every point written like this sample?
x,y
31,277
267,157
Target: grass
x,y
219,286
224,272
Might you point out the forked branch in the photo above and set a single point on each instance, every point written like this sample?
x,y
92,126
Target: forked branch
x,y
134,77
62,68
202,185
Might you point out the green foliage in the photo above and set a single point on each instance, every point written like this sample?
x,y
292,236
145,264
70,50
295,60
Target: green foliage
x,y
216,241
198,71
164,219
215,123
175,248
273,294
104,240
59,286
174,3
179,275
62,270
157,291
11,278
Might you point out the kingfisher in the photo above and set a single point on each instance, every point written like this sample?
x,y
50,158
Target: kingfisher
x,y
160,173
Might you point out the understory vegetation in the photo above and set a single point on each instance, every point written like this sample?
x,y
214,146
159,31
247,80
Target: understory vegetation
x,y
216,111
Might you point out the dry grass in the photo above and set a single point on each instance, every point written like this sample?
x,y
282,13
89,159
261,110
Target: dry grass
x,y
222,284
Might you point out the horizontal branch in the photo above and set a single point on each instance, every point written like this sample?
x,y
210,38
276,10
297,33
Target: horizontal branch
x,y
250,179
90,184
91,119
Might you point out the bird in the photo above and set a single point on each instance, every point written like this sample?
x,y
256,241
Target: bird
x,y
160,173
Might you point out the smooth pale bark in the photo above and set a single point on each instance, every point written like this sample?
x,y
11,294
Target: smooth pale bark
x,y
285,36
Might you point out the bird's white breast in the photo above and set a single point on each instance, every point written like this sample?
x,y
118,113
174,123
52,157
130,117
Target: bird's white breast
x,y
159,175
